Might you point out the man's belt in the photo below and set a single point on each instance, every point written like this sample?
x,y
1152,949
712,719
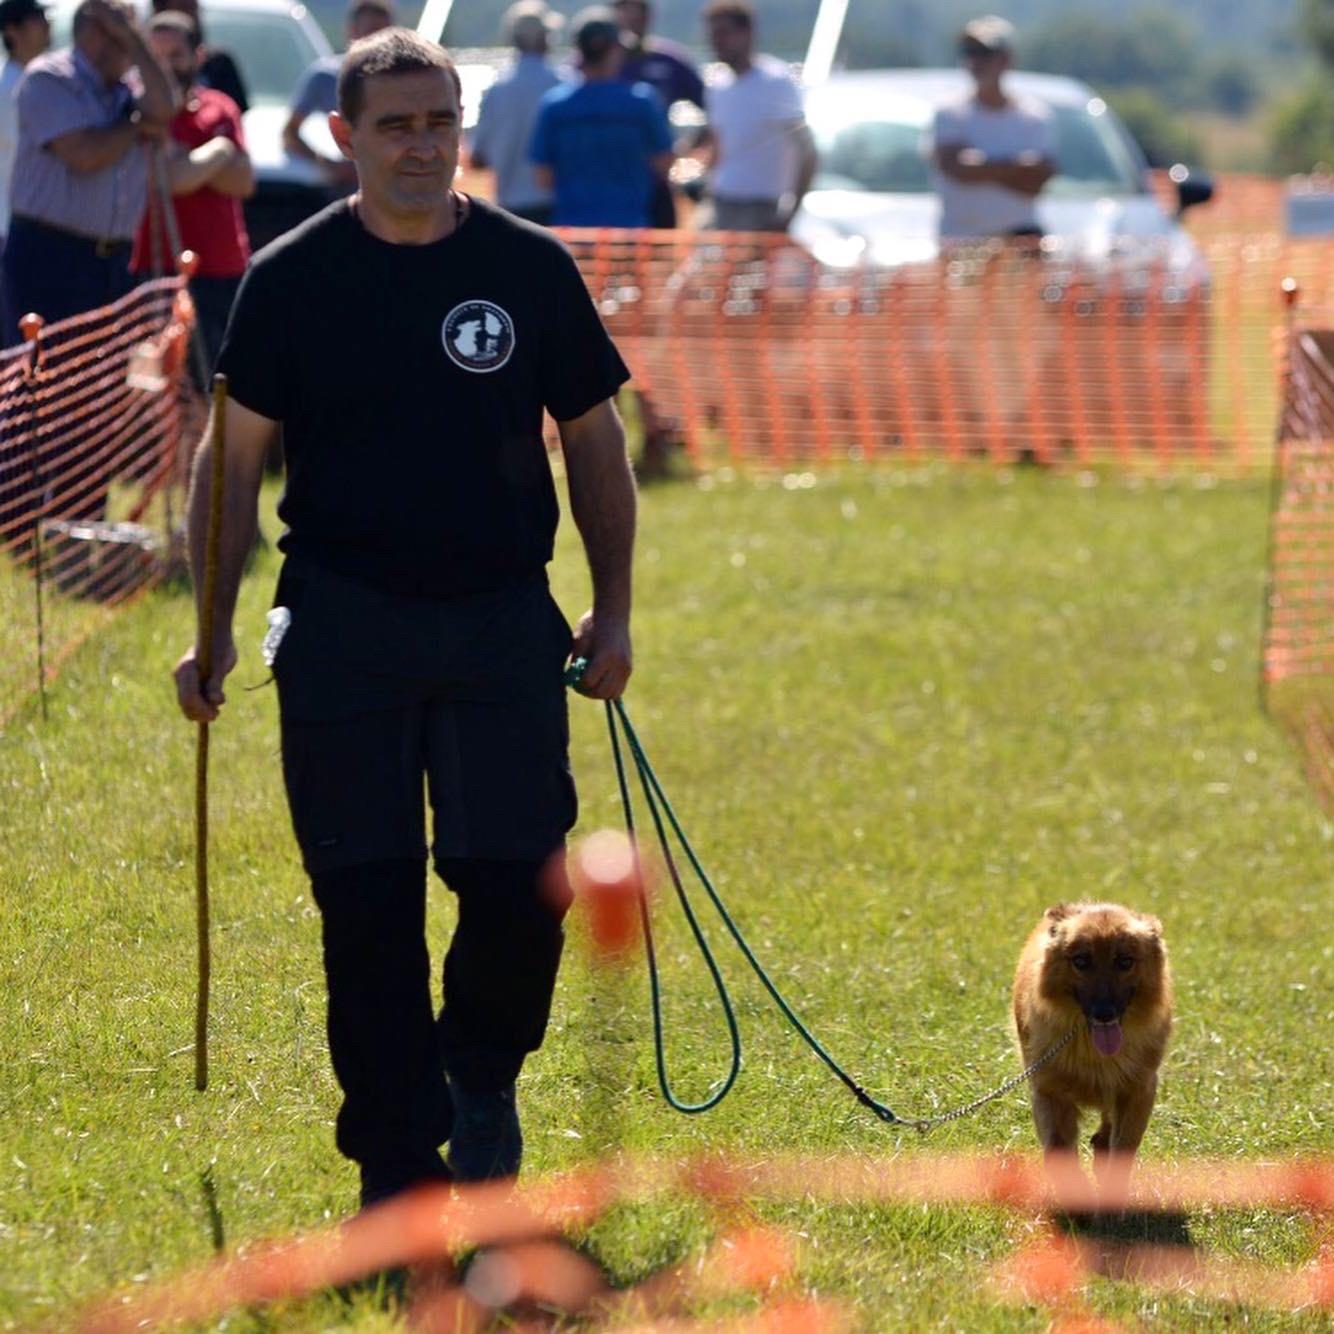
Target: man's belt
x,y
104,247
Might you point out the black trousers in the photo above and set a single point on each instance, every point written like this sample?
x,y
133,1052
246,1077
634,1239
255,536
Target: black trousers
x,y
390,1051
58,275
384,699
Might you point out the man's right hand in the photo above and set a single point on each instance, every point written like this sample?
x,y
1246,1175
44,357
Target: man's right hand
x,y
114,21
201,704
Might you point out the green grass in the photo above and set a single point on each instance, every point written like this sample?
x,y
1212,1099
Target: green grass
x,y
899,714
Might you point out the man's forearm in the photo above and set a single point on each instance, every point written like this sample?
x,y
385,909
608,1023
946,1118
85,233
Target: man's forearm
x,y
239,523
1027,178
972,168
808,160
161,96
602,501
90,150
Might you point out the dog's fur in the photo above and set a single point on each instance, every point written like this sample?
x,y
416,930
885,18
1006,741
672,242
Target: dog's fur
x,y
1102,970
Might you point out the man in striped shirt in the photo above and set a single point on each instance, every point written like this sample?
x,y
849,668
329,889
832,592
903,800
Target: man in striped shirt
x,y
86,116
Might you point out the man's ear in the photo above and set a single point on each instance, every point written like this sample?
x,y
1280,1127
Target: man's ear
x,y
342,135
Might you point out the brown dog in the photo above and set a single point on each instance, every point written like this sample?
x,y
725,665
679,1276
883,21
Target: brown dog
x,y
1102,970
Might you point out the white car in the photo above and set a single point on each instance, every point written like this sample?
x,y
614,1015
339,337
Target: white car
x,y
872,200
272,42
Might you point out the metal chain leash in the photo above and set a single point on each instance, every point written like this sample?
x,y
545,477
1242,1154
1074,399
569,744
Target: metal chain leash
x,y
924,1123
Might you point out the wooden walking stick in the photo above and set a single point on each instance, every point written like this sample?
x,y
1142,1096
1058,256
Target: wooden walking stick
x,y
204,665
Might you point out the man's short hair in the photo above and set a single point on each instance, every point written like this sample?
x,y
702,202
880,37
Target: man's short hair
x,y
175,20
596,30
357,8
529,23
82,18
389,51
737,12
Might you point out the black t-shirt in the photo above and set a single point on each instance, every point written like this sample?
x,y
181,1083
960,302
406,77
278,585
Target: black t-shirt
x,y
410,382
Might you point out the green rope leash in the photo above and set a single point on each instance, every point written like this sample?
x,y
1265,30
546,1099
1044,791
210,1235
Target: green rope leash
x,y
659,806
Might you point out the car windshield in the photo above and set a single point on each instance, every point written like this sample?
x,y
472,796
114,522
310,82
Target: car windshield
x,y
272,51
885,156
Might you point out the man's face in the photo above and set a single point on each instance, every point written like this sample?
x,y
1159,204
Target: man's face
x,y
405,142
362,22
984,65
633,16
730,40
29,37
177,53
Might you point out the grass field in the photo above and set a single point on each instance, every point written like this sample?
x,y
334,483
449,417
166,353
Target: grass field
x,y
899,713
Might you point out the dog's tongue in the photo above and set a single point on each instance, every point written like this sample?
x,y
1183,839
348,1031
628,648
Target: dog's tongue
x,y
1107,1037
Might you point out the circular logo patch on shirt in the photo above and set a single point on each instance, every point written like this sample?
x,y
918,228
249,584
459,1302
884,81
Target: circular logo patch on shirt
x,y
478,336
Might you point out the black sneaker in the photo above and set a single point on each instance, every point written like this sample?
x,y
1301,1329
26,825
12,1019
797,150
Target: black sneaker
x,y
486,1143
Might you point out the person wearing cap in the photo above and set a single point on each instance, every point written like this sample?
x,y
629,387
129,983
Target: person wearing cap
x,y
668,70
499,141
600,144
217,68
209,174
317,93
764,156
407,342
27,34
991,153
80,179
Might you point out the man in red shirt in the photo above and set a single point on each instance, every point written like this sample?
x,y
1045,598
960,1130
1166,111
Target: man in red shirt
x,y
209,173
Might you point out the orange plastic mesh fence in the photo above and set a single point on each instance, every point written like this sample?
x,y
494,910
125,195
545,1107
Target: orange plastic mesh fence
x,y
527,1264
1299,634
750,350
94,412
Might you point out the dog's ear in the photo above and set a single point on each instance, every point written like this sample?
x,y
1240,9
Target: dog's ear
x,y
1153,928
1057,914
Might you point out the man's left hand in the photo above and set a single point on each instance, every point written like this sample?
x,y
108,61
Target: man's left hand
x,y
605,643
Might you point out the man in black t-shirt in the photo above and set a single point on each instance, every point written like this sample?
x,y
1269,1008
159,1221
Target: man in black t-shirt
x,y
407,341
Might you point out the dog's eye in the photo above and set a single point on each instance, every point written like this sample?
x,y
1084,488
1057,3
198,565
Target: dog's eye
x,y
1125,962
1083,962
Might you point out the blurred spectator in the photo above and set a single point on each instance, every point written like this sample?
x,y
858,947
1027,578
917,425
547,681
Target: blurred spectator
x,y
763,154
509,109
317,93
218,69
26,35
600,144
209,173
668,70
81,173
992,153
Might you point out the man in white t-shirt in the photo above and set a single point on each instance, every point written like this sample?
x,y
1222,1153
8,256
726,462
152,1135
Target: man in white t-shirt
x,y
991,153
26,35
763,153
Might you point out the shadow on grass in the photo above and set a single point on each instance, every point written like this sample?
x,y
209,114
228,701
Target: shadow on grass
x,y
1133,1227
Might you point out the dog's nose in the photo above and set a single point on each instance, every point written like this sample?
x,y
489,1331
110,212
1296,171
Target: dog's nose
x,y
1103,1012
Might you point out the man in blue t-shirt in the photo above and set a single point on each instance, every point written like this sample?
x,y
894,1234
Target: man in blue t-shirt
x,y
599,144
668,70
